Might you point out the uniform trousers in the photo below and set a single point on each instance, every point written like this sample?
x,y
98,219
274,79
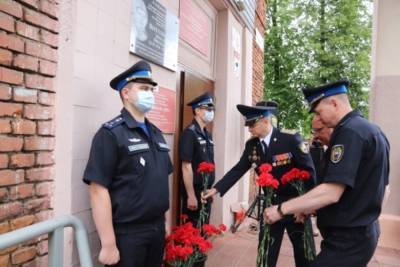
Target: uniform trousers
x,y
141,246
295,232
353,246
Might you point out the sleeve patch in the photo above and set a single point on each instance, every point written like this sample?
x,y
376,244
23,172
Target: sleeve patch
x,y
304,148
337,153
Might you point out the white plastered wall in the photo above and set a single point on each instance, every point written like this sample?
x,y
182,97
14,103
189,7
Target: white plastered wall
x,y
94,47
384,100
233,89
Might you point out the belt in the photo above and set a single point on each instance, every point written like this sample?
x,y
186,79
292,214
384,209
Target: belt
x,y
348,231
141,226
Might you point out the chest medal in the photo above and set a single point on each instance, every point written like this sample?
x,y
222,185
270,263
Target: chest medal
x,y
254,158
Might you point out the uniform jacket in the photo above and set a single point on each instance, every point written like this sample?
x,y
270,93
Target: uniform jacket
x,y
197,146
285,151
358,157
134,168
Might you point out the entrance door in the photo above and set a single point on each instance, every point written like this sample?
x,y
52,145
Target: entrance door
x,y
189,87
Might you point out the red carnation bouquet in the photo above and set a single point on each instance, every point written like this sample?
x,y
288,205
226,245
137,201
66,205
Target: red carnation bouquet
x,y
267,181
205,169
187,244
296,178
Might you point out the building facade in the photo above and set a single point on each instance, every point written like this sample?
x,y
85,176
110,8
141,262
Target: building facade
x,y
57,58
384,98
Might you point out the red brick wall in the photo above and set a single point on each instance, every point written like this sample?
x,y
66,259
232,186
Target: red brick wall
x,y
28,62
258,74
258,54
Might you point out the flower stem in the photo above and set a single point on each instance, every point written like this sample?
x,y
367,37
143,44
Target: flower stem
x,y
263,247
309,244
203,214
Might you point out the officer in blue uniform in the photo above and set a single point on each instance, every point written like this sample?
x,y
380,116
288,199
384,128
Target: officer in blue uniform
x,y
349,199
282,149
320,141
196,146
127,171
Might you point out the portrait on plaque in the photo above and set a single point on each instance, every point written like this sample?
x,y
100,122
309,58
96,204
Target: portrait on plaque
x,y
154,33
140,20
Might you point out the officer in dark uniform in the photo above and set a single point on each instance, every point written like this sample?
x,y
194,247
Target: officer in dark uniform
x,y
317,155
284,150
196,146
320,141
349,199
128,170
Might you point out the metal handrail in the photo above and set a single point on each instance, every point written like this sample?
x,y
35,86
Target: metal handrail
x,y
55,229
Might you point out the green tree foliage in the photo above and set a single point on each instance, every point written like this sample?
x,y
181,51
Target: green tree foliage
x,y
311,42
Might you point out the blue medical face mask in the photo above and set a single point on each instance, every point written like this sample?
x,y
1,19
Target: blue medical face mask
x,y
209,116
145,101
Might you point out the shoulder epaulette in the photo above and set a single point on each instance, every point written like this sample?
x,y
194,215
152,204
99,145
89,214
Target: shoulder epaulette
x,y
251,138
114,122
288,131
192,127
155,128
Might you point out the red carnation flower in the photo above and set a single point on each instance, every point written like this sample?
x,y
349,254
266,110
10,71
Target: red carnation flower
x,y
304,175
222,227
210,229
286,178
267,180
265,167
205,167
240,215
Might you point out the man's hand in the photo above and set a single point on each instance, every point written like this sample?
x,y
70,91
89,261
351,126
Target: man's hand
x,y
207,194
271,215
192,203
109,255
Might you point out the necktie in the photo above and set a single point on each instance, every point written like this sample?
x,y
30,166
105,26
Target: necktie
x,y
265,147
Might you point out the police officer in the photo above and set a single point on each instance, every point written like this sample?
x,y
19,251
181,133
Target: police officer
x,y
284,150
320,132
128,172
196,146
320,141
349,199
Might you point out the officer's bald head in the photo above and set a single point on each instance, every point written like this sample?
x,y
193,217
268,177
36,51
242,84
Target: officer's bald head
x,y
332,109
342,99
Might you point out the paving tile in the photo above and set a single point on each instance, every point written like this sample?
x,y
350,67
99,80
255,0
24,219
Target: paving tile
x,y
240,250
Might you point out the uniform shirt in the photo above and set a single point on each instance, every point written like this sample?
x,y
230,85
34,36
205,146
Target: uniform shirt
x,y
358,157
197,146
318,157
267,139
285,151
133,167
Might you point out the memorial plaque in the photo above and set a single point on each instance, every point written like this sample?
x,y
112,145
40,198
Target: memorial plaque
x,y
154,33
195,28
163,113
